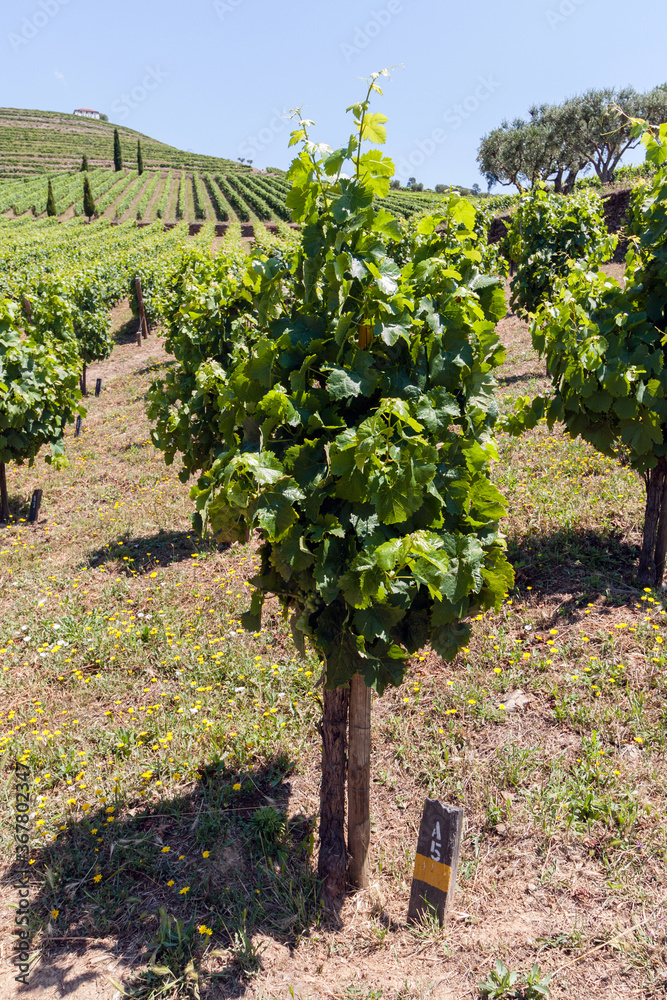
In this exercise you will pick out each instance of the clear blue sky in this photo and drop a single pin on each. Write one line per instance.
(214, 76)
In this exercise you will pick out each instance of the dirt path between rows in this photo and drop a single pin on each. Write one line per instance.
(127, 355)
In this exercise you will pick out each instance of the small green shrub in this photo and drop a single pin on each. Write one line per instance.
(502, 984)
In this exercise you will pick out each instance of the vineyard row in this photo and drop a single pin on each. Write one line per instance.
(171, 196)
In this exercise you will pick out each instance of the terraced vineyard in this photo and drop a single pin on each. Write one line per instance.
(175, 185)
(39, 142)
(175, 195)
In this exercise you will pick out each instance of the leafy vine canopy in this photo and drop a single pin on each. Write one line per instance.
(345, 410)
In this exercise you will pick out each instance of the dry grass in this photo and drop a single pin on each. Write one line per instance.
(131, 624)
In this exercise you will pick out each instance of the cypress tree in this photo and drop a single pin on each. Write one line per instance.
(140, 159)
(88, 200)
(84, 162)
(50, 201)
(117, 154)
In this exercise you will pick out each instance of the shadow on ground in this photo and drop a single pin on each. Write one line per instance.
(127, 333)
(158, 366)
(148, 876)
(138, 555)
(504, 380)
(19, 508)
(583, 564)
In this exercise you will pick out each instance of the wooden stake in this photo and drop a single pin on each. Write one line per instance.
(661, 539)
(84, 390)
(4, 498)
(655, 484)
(35, 504)
(359, 761)
(359, 782)
(142, 311)
(365, 335)
(332, 857)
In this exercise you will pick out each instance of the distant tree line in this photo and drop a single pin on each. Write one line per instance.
(559, 141)
(414, 185)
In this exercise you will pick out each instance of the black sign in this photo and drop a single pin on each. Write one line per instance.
(437, 861)
(35, 504)
(98, 387)
(77, 429)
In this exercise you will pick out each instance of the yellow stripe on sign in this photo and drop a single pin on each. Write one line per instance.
(432, 872)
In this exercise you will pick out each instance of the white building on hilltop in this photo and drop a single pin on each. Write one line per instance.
(86, 113)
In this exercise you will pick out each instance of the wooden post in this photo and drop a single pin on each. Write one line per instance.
(35, 504)
(365, 335)
(98, 386)
(655, 484)
(4, 498)
(28, 310)
(437, 860)
(142, 311)
(332, 858)
(359, 782)
(661, 539)
(84, 391)
(79, 424)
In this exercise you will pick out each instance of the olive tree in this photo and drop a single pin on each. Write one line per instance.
(592, 130)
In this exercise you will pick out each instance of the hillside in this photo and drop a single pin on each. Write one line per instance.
(42, 142)
(175, 185)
